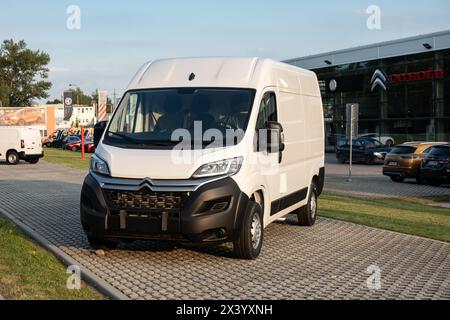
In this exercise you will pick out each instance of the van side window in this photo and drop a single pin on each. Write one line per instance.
(267, 110)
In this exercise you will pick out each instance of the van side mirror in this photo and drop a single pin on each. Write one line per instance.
(275, 137)
(99, 129)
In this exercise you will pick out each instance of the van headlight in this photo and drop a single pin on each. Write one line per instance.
(227, 167)
(99, 166)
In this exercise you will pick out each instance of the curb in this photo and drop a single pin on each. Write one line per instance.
(99, 284)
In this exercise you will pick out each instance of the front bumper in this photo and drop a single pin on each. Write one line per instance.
(189, 215)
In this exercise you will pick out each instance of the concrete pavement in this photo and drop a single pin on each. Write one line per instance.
(332, 260)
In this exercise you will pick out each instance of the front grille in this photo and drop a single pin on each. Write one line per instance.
(145, 200)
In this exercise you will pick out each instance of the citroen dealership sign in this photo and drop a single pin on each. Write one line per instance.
(380, 79)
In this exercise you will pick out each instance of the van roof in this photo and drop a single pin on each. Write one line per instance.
(223, 72)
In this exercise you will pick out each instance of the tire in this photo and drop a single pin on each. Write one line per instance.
(12, 157)
(435, 183)
(340, 159)
(21, 123)
(398, 179)
(33, 161)
(97, 244)
(307, 215)
(74, 149)
(420, 180)
(369, 161)
(248, 245)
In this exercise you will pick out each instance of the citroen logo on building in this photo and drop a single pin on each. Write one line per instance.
(379, 79)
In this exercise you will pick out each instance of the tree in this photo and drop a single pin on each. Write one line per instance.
(22, 74)
(56, 101)
(79, 97)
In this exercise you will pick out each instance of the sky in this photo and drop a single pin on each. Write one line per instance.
(116, 37)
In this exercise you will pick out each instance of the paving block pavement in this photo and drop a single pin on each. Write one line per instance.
(328, 261)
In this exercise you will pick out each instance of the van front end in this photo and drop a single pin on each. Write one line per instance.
(197, 211)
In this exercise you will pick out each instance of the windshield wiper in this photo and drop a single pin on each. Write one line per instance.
(158, 143)
(124, 137)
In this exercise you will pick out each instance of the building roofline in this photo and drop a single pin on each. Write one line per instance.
(395, 47)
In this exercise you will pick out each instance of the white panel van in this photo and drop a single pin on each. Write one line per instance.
(20, 143)
(207, 151)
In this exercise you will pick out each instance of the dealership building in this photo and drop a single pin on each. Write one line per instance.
(402, 87)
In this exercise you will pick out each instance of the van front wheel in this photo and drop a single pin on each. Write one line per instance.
(307, 215)
(249, 244)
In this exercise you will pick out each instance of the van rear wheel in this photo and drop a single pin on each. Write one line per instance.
(307, 215)
(12, 157)
(249, 244)
(33, 160)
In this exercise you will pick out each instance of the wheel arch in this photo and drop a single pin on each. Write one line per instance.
(11, 150)
(260, 197)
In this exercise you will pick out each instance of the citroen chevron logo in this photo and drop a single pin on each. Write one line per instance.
(379, 79)
(146, 183)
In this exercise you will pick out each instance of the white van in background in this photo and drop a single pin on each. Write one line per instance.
(20, 143)
(272, 165)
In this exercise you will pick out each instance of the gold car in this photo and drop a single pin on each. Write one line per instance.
(404, 161)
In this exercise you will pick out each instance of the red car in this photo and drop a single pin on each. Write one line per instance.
(76, 146)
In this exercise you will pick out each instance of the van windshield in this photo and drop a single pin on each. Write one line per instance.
(157, 118)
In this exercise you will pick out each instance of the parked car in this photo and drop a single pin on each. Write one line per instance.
(435, 168)
(20, 144)
(56, 142)
(69, 140)
(47, 142)
(23, 117)
(404, 161)
(55, 139)
(136, 190)
(385, 140)
(76, 146)
(365, 150)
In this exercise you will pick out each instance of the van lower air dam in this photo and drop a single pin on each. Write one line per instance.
(207, 151)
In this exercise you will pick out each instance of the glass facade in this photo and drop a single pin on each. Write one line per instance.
(408, 99)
